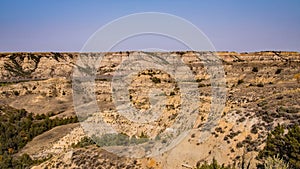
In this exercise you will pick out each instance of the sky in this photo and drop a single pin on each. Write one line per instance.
(231, 25)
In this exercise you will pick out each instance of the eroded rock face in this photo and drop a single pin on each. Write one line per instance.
(261, 92)
(23, 66)
(34, 66)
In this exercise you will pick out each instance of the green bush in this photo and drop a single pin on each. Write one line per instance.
(275, 162)
(155, 80)
(111, 140)
(283, 146)
(85, 141)
(213, 165)
(119, 139)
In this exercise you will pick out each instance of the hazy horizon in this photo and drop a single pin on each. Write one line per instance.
(147, 51)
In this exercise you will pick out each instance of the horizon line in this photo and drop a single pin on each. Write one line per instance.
(2, 52)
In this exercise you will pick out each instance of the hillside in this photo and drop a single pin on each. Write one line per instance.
(262, 91)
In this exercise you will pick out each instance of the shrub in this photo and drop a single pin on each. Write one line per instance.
(199, 80)
(201, 85)
(240, 81)
(260, 85)
(155, 80)
(118, 139)
(16, 93)
(275, 162)
(278, 71)
(213, 165)
(254, 69)
(85, 141)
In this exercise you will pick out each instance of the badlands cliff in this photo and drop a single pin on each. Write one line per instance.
(262, 90)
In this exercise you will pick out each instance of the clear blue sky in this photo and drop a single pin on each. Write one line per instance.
(65, 25)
